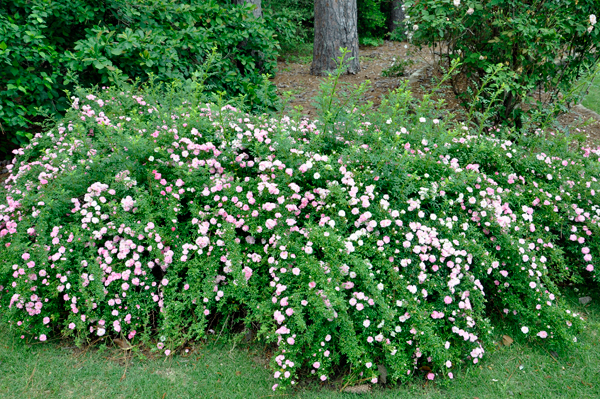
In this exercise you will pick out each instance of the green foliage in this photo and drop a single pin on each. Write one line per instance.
(398, 35)
(544, 46)
(370, 41)
(372, 18)
(108, 42)
(292, 20)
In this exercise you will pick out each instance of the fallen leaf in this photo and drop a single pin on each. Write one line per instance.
(358, 389)
(123, 344)
(507, 341)
(238, 373)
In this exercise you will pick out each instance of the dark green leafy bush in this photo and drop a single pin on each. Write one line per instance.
(101, 42)
(373, 16)
(291, 19)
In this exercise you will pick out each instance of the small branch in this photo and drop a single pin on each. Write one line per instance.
(549, 353)
(30, 377)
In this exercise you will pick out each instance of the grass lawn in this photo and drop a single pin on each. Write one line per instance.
(56, 370)
(592, 100)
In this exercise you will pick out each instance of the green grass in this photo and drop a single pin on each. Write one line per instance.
(592, 100)
(56, 370)
(52, 371)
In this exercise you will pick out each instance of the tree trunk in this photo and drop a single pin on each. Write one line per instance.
(257, 12)
(397, 17)
(335, 27)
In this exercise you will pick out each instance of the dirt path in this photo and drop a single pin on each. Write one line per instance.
(295, 77)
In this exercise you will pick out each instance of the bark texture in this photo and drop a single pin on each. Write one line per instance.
(335, 27)
(257, 11)
(397, 17)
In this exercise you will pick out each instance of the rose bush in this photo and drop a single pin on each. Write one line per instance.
(545, 46)
(392, 238)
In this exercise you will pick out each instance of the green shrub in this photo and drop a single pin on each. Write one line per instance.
(370, 41)
(292, 20)
(115, 40)
(543, 46)
(398, 68)
(372, 18)
(369, 238)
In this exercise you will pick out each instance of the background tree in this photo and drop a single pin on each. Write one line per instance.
(335, 27)
(397, 16)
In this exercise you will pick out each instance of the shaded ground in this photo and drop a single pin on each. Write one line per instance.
(294, 77)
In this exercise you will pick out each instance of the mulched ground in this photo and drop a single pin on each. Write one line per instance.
(295, 77)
